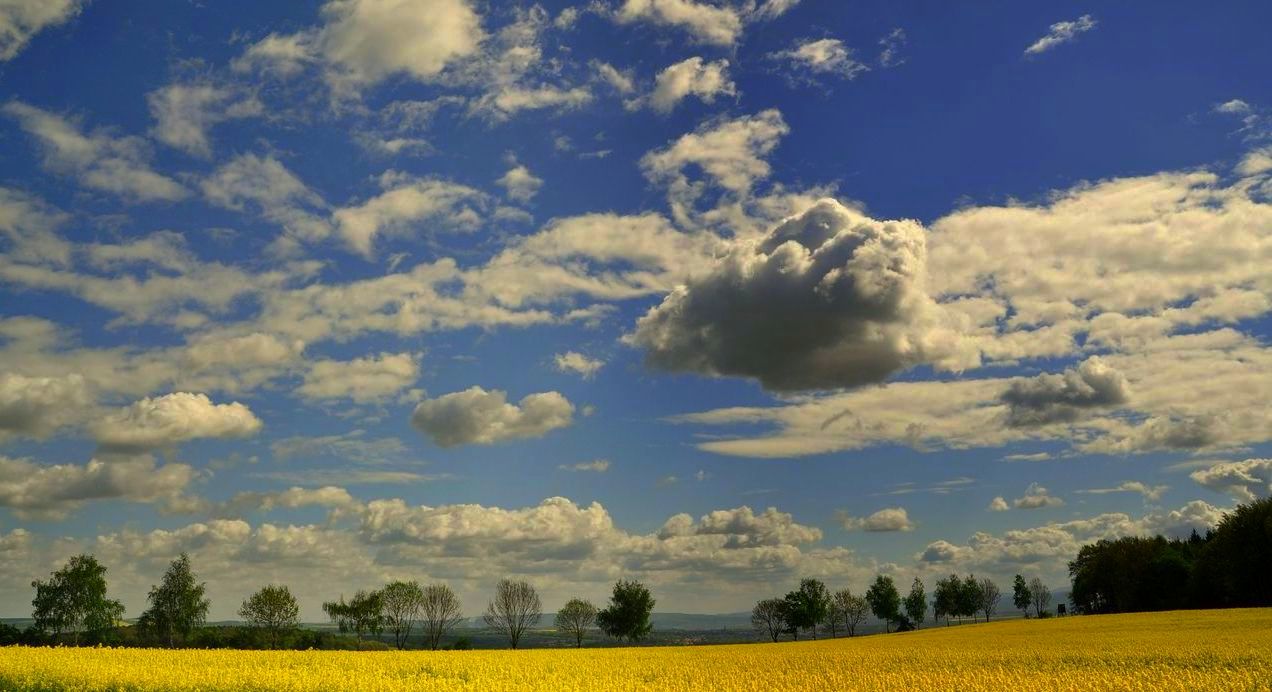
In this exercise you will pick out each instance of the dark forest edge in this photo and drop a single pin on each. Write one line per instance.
(1227, 567)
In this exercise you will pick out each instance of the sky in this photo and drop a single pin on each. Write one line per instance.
(716, 295)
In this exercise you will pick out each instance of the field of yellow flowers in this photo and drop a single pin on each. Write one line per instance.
(1201, 650)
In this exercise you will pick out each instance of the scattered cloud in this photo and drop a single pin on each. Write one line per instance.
(1036, 497)
(184, 113)
(20, 20)
(597, 466)
(826, 57)
(164, 421)
(690, 77)
(1246, 480)
(1151, 493)
(575, 362)
(998, 504)
(887, 519)
(363, 380)
(1063, 398)
(477, 416)
(519, 183)
(1060, 33)
(99, 160)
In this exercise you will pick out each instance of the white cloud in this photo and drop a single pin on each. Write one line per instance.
(366, 379)
(22, 19)
(827, 56)
(1244, 480)
(887, 519)
(891, 47)
(505, 102)
(37, 406)
(167, 420)
(575, 362)
(353, 446)
(742, 527)
(1233, 107)
(53, 491)
(184, 113)
(362, 42)
(597, 466)
(1061, 32)
(521, 185)
(691, 77)
(1036, 497)
(100, 161)
(477, 416)
(406, 202)
(1151, 493)
(998, 504)
(713, 24)
(31, 226)
(620, 80)
(847, 290)
(730, 152)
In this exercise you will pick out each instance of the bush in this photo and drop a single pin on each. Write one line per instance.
(461, 644)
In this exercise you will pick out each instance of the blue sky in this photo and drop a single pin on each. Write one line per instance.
(714, 294)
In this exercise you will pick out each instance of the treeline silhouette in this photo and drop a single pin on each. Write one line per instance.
(1231, 566)
(72, 608)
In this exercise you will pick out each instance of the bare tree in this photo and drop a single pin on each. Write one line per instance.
(440, 611)
(852, 608)
(1040, 594)
(575, 617)
(515, 609)
(989, 595)
(769, 616)
(401, 602)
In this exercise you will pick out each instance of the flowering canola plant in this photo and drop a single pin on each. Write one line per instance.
(1187, 650)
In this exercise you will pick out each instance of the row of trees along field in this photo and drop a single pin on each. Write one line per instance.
(813, 605)
(72, 607)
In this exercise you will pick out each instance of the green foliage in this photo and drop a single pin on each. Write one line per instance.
(916, 603)
(401, 604)
(807, 606)
(884, 600)
(177, 605)
(574, 618)
(74, 601)
(627, 616)
(363, 614)
(1020, 596)
(272, 610)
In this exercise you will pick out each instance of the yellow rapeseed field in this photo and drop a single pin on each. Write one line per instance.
(1206, 650)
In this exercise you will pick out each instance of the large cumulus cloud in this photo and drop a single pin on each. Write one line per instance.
(829, 298)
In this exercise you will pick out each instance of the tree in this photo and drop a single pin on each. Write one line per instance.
(575, 617)
(969, 597)
(628, 612)
(272, 609)
(74, 600)
(853, 608)
(1020, 596)
(1040, 595)
(402, 602)
(945, 598)
(439, 612)
(884, 600)
(362, 615)
(807, 605)
(177, 604)
(834, 616)
(916, 603)
(989, 596)
(1241, 550)
(515, 609)
(768, 617)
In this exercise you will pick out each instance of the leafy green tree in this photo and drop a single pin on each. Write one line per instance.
(916, 603)
(402, 602)
(1241, 550)
(627, 615)
(1020, 596)
(273, 609)
(440, 612)
(768, 617)
(807, 605)
(178, 604)
(574, 618)
(969, 597)
(944, 599)
(515, 609)
(363, 614)
(884, 600)
(74, 600)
